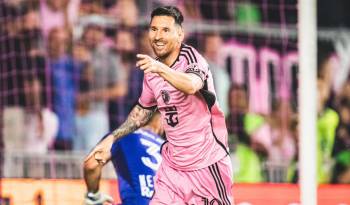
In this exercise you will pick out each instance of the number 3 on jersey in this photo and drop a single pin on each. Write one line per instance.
(153, 151)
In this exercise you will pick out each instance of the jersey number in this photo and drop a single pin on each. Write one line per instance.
(153, 151)
(171, 113)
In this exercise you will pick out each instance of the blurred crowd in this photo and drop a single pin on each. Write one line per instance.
(68, 77)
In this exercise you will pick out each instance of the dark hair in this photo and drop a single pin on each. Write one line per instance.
(324, 51)
(169, 11)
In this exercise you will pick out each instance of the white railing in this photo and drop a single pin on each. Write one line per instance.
(19, 164)
(55, 164)
(275, 172)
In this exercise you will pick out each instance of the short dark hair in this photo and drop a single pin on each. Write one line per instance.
(169, 11)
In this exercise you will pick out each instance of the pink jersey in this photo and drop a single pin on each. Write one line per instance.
(194, 124)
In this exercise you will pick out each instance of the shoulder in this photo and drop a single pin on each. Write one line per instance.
(191, 55)
(127, 139)
(332, 116)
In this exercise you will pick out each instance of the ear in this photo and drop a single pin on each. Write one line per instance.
(181, 34)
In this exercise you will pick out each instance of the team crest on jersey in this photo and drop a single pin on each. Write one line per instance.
(165, 96)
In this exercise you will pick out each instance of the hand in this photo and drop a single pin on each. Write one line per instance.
(98, 199)
(102, 151)
(148, 64)
(101, 156)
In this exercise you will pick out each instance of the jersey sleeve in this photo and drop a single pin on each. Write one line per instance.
(147, 99)
(199, 69)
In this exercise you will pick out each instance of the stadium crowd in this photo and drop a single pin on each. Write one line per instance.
(68, 77)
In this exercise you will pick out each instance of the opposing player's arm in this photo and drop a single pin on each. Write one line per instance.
(188, 83)
(137, 118)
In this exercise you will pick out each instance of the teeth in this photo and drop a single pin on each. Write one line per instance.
(160, 44)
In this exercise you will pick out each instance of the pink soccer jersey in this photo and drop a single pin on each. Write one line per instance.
(194, 124)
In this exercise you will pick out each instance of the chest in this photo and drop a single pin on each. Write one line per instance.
(166, 94)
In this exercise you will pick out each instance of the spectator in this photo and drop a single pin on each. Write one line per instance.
(240, 121)
(247, 162)
(327, 119)
(342, 141)
(326, 63)
(23, 59)
(327, 122)
(32, 50)
(191, 10)
(213, 43)
(10, 41)
(341, 153)
(345, 91)
(247, 14)
(62, 13)
(107, 81)
(342, 168)
(127, 12)
(41, 124)
(126, 47)
(240, 125)
(92, 7)
(36, 128)
(276, 136)
(143, 43)
(64, 85)
(292, 175)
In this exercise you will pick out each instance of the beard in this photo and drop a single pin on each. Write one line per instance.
(163, 53)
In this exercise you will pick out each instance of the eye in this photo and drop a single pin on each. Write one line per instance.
(153, 29)
(166, 29)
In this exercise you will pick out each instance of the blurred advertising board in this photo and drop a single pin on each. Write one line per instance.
(69, 192)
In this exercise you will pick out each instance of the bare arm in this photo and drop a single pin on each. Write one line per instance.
(186, 82)
(101, 154)
(92, 168)
(137, 118)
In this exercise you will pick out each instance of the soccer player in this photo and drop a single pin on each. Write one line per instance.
(136, 158)
(196, 168)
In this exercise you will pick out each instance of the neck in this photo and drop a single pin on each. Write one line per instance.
(210, 56)
(154, 127)
(149, 128)
(171, 58)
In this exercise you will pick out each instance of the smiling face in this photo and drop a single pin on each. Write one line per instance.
(165, 37)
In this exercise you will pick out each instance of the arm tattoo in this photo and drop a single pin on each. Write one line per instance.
(136, 119)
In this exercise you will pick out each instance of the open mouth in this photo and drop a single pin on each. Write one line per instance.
(159, 45)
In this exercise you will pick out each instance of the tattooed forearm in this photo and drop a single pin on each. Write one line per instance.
(136, 119)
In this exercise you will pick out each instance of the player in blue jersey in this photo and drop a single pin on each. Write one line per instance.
(136, 158)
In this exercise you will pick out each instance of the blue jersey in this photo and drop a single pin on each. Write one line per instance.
(136, 158)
